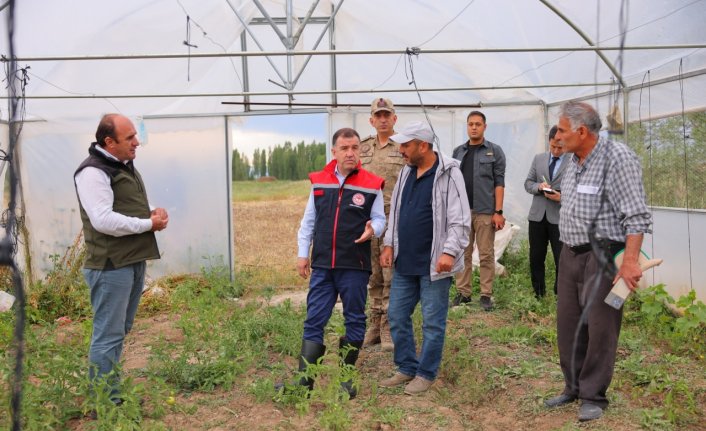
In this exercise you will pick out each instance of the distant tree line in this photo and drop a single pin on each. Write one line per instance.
(285, 162)
(673, 155)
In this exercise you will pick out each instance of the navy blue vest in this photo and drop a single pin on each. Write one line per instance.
(341, 215)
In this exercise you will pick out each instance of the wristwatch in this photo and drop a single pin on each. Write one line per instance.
(499, 212)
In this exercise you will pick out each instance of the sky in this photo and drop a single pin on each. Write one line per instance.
(265, 131)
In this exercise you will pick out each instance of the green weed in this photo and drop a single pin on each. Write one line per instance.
(683, 333)
(63, 292)
(388, 415)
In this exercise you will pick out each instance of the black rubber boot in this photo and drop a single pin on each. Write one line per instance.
(349, 351)
(310, 354)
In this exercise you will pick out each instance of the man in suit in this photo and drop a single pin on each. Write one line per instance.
(544, 183)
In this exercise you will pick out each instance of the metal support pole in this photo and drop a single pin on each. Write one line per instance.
(246, 76)
(290, 49)
(332, 48)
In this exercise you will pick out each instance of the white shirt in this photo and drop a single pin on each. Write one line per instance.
(306, 229)
(96, 196)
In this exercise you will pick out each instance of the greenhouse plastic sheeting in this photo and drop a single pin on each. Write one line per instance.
(185, 169)
(514, 87)
(134, 27)
(518, 130)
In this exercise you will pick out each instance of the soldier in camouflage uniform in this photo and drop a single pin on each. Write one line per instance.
(381, 156)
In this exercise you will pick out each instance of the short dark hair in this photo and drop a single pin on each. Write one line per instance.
(106, 129)
(552, 132)
(478, 113)
(345, 132)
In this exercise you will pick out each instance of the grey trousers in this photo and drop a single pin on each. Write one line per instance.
(586, 351)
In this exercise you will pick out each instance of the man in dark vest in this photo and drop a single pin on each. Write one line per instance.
(118, 229)
(345, 209)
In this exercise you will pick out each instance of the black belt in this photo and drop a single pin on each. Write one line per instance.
(613, 246)
(583, 248)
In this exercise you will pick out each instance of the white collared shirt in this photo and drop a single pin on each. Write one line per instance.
(96, 197)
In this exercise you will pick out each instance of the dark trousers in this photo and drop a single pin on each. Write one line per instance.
(324, 288)
(541, 233)
(586, 349)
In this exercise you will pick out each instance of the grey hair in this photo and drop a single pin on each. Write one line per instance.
(581, 114)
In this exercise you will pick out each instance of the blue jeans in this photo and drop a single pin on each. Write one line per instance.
(115, 295)
(405, 293)
(324, 288)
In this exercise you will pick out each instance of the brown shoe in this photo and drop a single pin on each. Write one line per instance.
(417, 386)
(372, 335)
(386, 344)
(396, 380)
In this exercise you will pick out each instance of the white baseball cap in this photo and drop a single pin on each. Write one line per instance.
(414, 130)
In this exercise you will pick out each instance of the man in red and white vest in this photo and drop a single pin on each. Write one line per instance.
(344, 211)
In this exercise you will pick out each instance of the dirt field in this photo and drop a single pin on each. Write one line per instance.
(499, 396)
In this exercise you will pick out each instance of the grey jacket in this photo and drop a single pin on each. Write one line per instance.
(540, 204)
(452, 215)
(488, 173)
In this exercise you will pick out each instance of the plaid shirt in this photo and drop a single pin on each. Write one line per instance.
(611, 169)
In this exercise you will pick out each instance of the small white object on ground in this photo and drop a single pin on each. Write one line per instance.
(6, 301)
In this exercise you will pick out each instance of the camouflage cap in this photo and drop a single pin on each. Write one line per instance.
(380, 104)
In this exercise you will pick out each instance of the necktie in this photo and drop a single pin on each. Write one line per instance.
(551, 167)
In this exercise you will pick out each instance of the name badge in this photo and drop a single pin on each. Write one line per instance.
(590, 190)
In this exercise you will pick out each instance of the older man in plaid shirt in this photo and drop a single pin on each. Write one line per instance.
(602, 187)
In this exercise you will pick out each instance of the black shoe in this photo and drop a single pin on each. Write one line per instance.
(486, 303)
(589, 412)
(460, 299)
(559, 400)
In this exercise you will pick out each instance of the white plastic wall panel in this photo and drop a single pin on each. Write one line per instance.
(184, 165)
(683, 266)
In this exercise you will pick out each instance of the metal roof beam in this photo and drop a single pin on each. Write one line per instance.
(314, 92)
(588, 40)
(634, 87)
(298, 34)
(355, 52)
(247, 28)
(263, 11)
(321, 36)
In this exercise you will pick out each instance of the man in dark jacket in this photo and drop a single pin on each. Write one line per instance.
(483, 168)
(429, 225)
(345, 209)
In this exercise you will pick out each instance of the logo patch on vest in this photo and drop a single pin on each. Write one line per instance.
(358, 199)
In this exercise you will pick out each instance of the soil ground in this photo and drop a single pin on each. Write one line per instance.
(513, 404)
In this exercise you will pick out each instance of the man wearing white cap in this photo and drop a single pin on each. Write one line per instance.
(428, 231)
